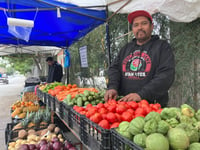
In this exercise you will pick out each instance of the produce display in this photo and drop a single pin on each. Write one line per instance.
(174, 128)
(49, 138)
(84, 97)
(146, 126)
(35, 119)
(111, 113)
(20, 108)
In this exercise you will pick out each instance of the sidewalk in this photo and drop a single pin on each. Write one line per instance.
(9, 93)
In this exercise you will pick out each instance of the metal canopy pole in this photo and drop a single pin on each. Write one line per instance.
(108, 38)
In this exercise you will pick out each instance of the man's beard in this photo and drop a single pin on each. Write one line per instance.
(143, 38)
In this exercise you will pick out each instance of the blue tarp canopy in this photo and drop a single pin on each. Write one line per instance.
(50, 29)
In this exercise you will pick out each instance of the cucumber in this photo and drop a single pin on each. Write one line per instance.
(79, 101)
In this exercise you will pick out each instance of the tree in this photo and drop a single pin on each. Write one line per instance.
(21, 62)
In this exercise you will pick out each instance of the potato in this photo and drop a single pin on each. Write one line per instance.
(12, 144)
(44, 132)
(31, 131)
(51, 127)
(61, 140)
(59, 136)
(56, 130)
(22, 134)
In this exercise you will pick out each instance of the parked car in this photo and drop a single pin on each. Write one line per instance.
(4, 78)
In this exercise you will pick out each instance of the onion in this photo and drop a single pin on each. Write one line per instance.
(54, 139)
(72, 148)
(67, 145)
(24, 147)
(32, 146)
(43, 142)
(57, 145)
(45, 147)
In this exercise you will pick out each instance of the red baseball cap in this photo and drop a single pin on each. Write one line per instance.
(138, 13)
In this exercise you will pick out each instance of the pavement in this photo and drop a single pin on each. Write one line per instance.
(9, 93)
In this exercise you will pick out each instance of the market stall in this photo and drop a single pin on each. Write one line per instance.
(120, 125)
(95, 123)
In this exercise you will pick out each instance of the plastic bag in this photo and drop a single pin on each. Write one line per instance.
(20, 32)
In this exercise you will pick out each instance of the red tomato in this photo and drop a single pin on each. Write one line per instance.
(127, 116)
(131, 111)
(143, 101)
(106, 105)
(139, 115)
(88, 105)
(91, 112)
(75, 107)
(112, 102)
(104, 116)
(100, 105)
(140, 110)
(104, 124)
(111, 108)
(119, 117)
(147, 109)
(111, 117)
(133, 104)
(114, 125)
(156, 106)
(96, 118)
(159, 110)
(79, 109)
(83, 112)
(122, 102)
(102, 110)
(121, 108)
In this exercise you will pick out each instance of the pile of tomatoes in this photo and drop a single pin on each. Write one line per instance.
(110, 114)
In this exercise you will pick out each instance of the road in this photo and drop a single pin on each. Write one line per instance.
(9, 93)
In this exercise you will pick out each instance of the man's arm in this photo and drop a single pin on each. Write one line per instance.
(163, 78)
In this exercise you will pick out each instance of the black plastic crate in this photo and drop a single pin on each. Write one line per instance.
(48, 100)
(76, 123)
(121, 143)
(8, 129)
(53, 105)
(39, 93)
(98, 138)
(58, 107)
(16, 120)
(65, 112)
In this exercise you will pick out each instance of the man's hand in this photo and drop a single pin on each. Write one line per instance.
(131, 97)
(110, 94)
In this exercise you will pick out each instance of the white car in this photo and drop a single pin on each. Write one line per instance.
(4, 78)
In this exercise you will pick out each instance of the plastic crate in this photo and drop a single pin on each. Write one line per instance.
(65, 112)
(48, 100)
(16, 120)
(121, 143)
(8, 129)
(76, 123)
(39, 93)
(58, 107)
(98, 138)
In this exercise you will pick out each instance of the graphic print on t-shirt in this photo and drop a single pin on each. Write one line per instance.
(137, 65)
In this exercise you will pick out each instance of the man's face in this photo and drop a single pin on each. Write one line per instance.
(142, 29)
(50, 63)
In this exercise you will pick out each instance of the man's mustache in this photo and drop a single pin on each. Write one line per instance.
(141, 31)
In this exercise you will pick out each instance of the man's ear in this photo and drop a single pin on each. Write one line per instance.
(152, 26)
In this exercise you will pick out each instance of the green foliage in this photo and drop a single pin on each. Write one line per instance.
(21, 62)
(185, 39)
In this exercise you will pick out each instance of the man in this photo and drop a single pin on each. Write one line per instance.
(55, 72)
(145, 67)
